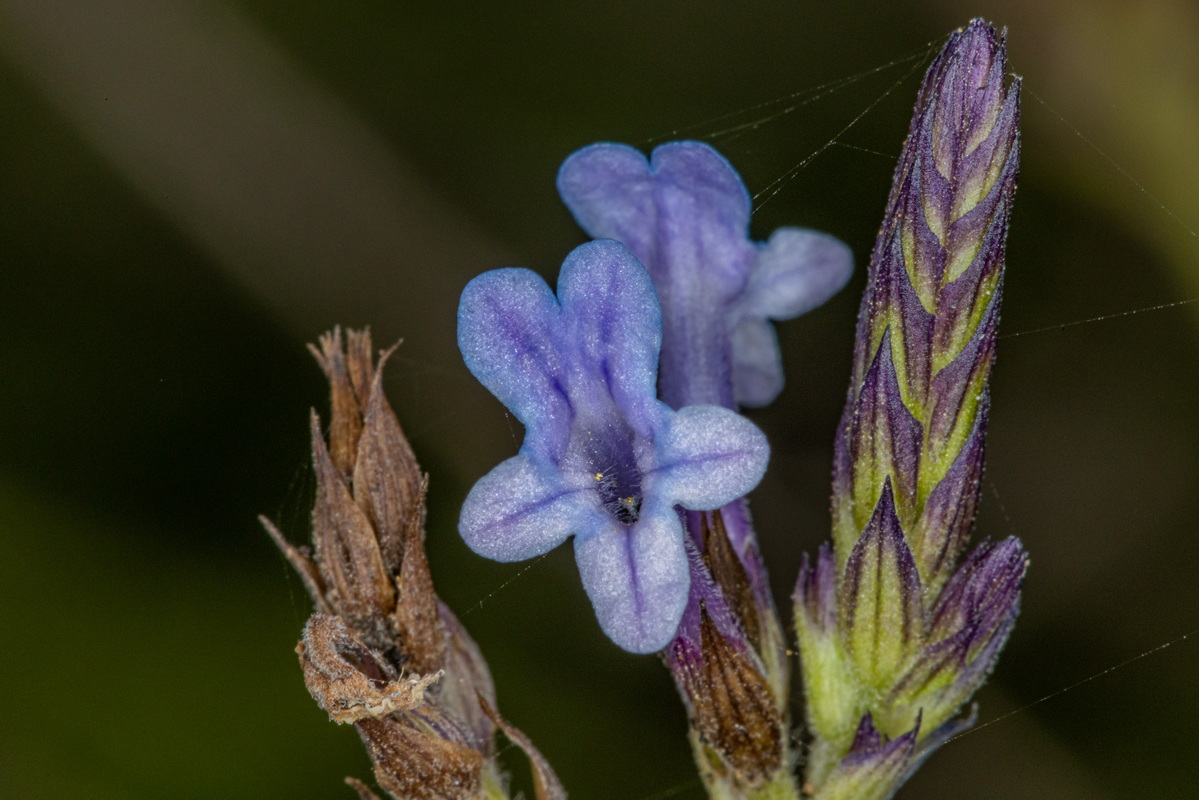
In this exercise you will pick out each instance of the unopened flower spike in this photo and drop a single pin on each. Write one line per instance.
(896, 630)
(603, 459)
(685, 213)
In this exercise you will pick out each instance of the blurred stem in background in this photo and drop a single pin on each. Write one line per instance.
(264, 168)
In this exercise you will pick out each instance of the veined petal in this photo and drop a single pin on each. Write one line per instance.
(757, 363)
(611, 316)
(685, 200)
(609, 190)
(703, 225)
(796, 271)
(521, 509)
(709, 456)
(506, 331)
(637, 578)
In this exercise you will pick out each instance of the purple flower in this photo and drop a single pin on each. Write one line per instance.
(603, 460)
(685, 213)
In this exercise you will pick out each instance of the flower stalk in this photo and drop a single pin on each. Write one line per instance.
(896, 630)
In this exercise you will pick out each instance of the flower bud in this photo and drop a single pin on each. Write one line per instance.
(831, 690)
(969, 626)
(732, 709)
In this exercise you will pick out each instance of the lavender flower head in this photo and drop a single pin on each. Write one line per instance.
(627, 381)
(895, 634)
(603, 459)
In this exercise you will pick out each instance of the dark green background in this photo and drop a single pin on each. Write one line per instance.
(154, 383)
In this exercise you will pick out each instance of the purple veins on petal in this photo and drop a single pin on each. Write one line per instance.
(637, 579)
(705, 455)
(603, 460)
(520, 510)
(685, 213)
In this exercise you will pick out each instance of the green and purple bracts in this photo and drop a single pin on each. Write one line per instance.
(896, 633)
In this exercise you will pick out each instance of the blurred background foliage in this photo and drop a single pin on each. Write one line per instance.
(190, 191)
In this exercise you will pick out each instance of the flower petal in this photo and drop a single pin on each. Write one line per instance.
(611, 317)
(685, 214)
(796, 271)
(684, 210)
(637, 578)
(507, 331)
(709, 456)
(609, 190)
(757, 363)
(520, 510)
(703, 219)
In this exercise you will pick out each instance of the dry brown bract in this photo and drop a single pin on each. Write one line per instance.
(381, 651)
(348, 679)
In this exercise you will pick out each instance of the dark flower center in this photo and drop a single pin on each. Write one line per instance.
(609, 455)
(622, 498)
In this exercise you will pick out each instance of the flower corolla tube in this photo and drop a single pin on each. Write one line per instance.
(603, 460)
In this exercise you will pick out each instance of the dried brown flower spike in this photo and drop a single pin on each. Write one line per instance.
(381, 651)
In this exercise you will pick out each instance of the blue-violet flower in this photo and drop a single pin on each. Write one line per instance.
(684, 212)
(603, 459)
